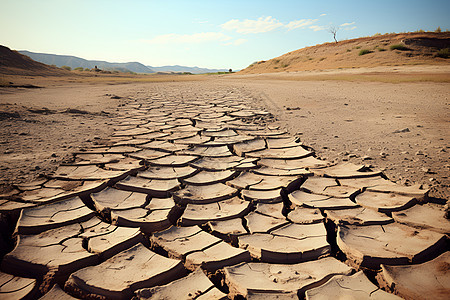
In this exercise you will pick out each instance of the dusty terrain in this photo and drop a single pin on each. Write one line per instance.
(399, 127)
(203, 192)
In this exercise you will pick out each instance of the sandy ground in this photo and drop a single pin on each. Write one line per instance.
(401, 128)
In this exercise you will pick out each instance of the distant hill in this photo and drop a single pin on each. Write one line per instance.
(75, 62)
(193, 70)
(14, 63)
(378, 50)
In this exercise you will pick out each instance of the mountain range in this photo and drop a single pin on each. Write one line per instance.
(137, 67)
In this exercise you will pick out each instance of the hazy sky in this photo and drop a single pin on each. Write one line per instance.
(204, 33)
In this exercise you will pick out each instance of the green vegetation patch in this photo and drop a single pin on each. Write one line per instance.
(364, 52)
(400, 47)
(444, 53)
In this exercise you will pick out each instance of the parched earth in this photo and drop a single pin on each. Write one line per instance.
(197, 194)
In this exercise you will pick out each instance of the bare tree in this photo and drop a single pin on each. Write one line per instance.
(333, 30)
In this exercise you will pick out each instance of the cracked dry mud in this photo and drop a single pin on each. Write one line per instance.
(197, 195)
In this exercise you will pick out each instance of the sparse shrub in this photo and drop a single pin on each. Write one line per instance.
(276, 61)
(358, 47)
(377, 34)
(78, 69)
(400, 47)
(349, 50)
(322, 58)
(381, 49)
(438, 30)
(365, 51)
(275, 67)
(66, 68)
(285, 65)
(87, 69)
(444, 53)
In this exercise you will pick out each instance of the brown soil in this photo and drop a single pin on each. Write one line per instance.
(422, 48)
(399, 127)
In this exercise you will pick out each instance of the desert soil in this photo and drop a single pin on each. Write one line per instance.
(401, 128)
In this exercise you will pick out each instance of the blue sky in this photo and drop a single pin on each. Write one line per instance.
(206, 33)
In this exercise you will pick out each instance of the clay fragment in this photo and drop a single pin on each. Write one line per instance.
(56, 190)
(227, 230)
(430, 280)
(149, 154)
(156, 216)
(254, 145)
(429, 216)
(132, 132)
(379, 184)
(181, 241)
(126, 164)
(317, 185)
(94, 159)
(291, 243)
(57, 293)
(10, 206)
(219, 211)
(281, 172)
(216, 257)
(13, 287)
(229, 140)
(358, 216)
(391, 244)
(283, 153)
(173, 161)
(224, 163)
(204, 194)
(221, 151)
(35, 255)
(271, 209)
(112, 279)
(385, 202)
(356, 286)
(208, 177)
(272, 296)
(246, 278)
(110, 150)
(38, 219)
(153, 187)
(166, 173)
(268, 133)
(304, 215)
(118, 199)
(299, 163)
(270, 196)
(221, 133)
(192, 141)
(163, 146)
(177, 136)
(301, 198)
(192, 286)
(87, 173)
(259, 223)
(280, 143)
(253, 181)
